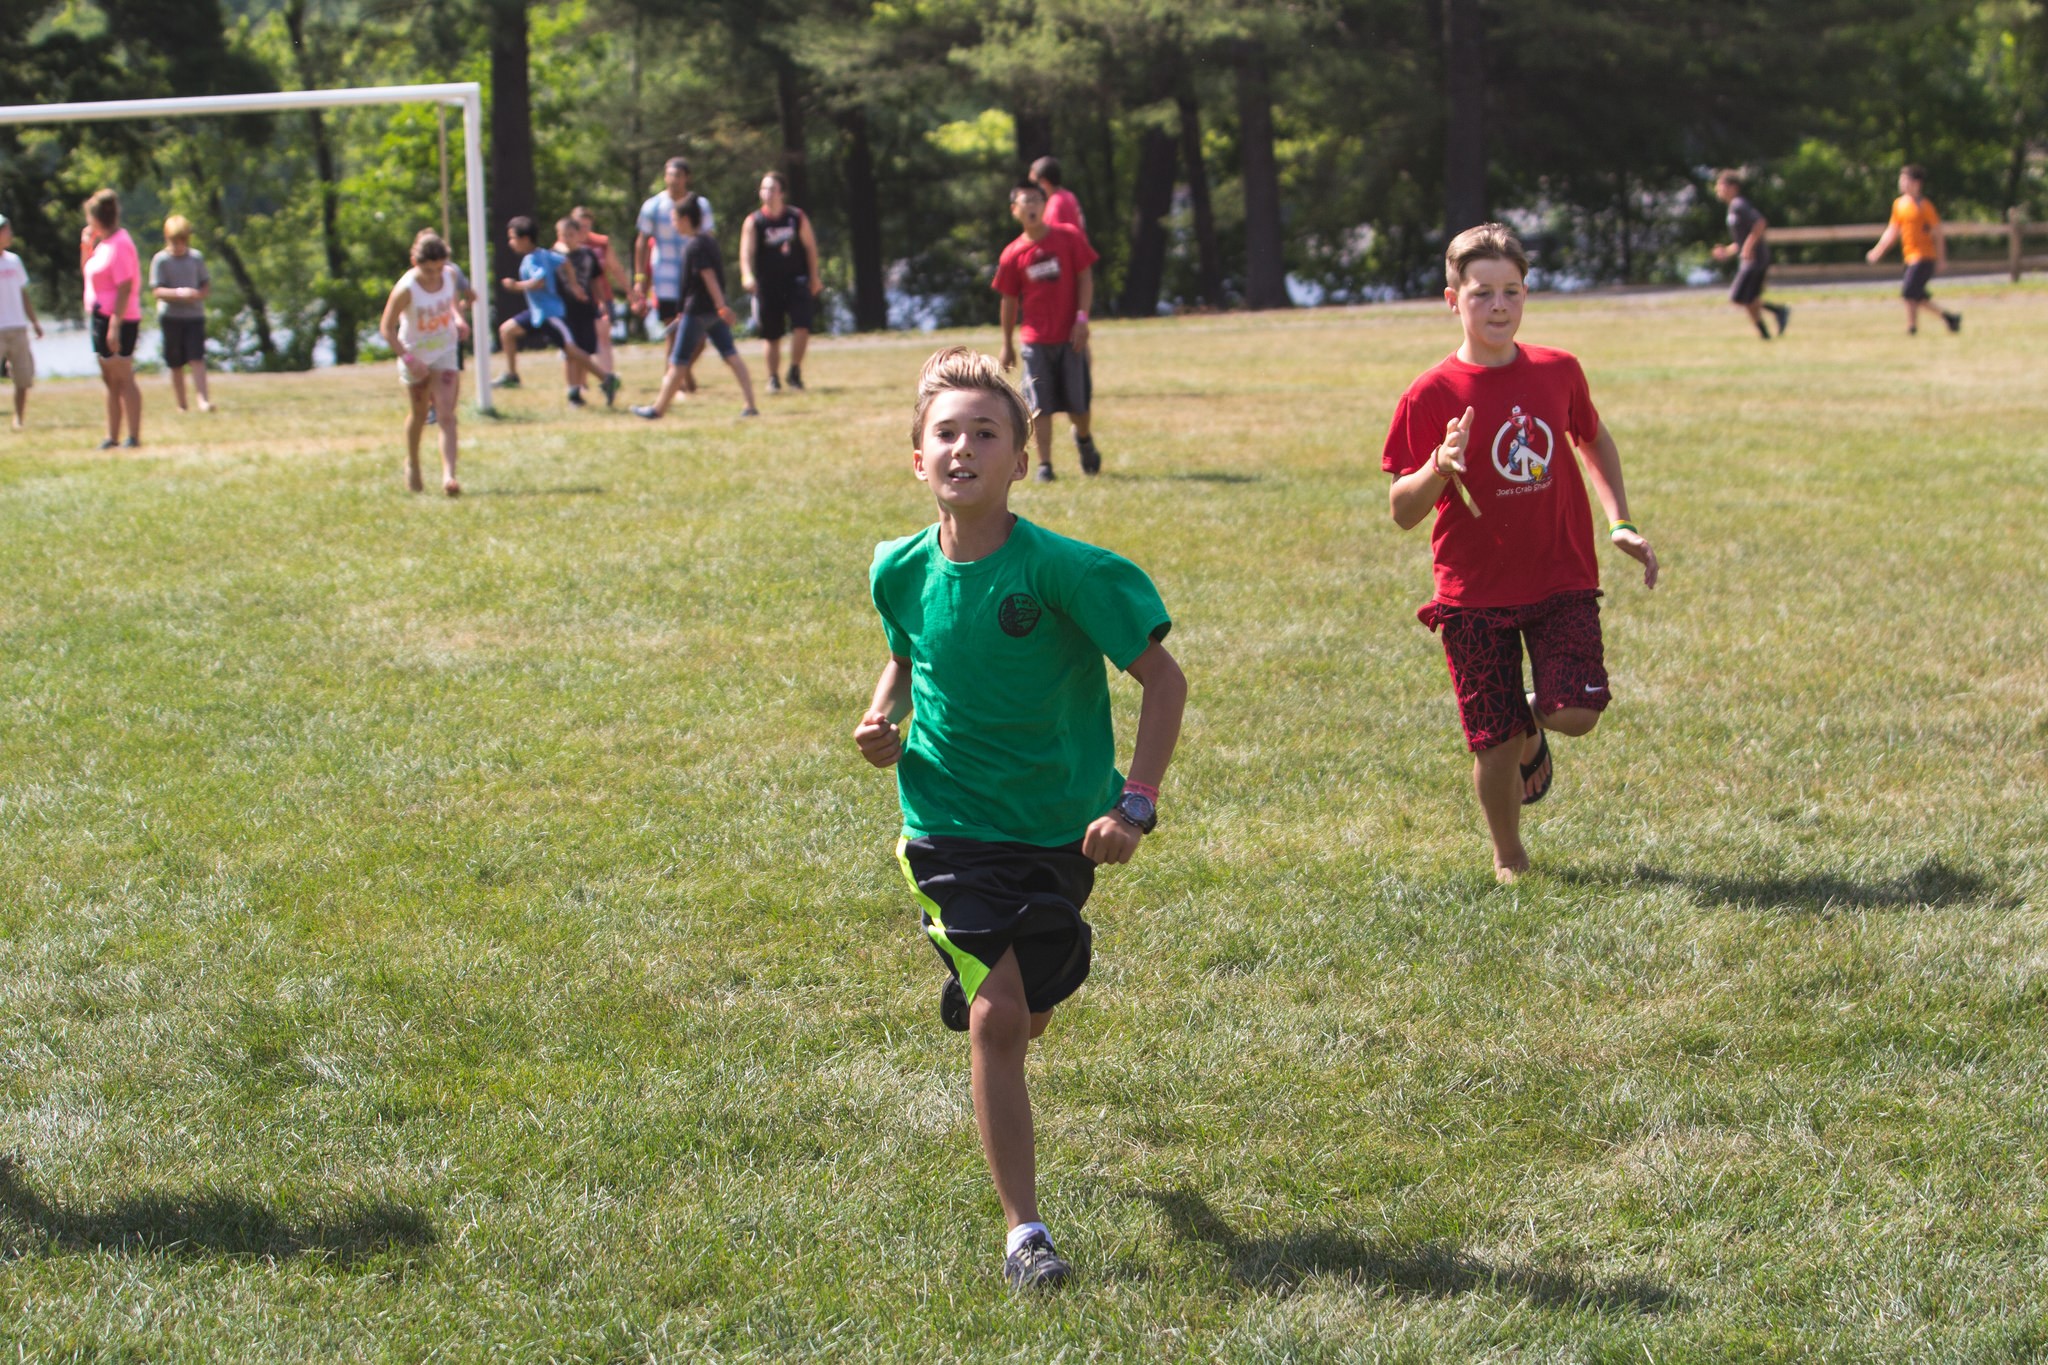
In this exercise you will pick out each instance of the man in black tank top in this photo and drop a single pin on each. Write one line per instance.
(779, 267)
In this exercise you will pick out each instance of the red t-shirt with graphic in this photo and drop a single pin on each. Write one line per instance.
(1045, 277)
(1534, 538)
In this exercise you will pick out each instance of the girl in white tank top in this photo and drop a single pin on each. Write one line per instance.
(423, 323)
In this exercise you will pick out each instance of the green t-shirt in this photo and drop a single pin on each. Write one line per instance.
(1010, 735)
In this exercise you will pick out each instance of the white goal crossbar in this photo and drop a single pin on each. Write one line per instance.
(467, 94)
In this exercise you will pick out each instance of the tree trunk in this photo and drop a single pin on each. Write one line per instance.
(864, 225)
(252, 297)
(1152, 198)
(636, 188)
(1034, 138)
(1208, 256)
(340, 304)
(512, 179)
(796, 166)
(1464, 116)
(1265, 275)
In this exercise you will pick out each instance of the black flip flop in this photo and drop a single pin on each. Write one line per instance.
(1529, 769)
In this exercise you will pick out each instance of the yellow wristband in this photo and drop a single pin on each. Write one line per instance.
(1614, 526)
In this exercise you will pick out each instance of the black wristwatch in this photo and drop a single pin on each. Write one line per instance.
(1136, 808)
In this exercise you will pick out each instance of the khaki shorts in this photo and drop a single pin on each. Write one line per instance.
(21, 361)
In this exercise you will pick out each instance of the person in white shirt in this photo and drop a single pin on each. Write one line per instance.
(658, 249)
(17, 318)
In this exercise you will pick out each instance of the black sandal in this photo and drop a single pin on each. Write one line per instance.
(1530, 770)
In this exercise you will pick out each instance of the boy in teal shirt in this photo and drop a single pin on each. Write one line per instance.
(997, 631)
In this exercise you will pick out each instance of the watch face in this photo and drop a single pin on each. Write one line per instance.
(1138, 807)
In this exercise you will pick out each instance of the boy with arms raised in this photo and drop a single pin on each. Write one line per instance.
(997, 631)
(1495, 417)
(1047, 279)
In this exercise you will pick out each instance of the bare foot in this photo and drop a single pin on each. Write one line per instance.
(1507, 874)
(451, 488)
(206, 405)
(413, 482)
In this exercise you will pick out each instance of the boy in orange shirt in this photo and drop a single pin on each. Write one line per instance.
(1917, 228)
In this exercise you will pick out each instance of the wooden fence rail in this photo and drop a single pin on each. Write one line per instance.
(2015, 230)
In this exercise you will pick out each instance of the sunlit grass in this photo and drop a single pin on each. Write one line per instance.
(465, 931)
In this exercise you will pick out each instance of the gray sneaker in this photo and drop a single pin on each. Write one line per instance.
(1035, 1265)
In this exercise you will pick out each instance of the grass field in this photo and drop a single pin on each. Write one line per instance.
(464, 931)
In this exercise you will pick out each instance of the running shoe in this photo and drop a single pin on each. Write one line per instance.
(750, 412)
(953, 1005)
(774, 384)
(1045, 474)
(796, 377)
(645, 410)
(576, 399)
(1091, 458)
(611, 389)
(1035, 1265)
(1784, 315)
(1954, 321)
(505, 381)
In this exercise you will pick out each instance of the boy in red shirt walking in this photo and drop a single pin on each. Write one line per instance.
(1521, 570)
(1048, 276)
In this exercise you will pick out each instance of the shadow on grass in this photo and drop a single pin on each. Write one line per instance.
(210, 1223)
(1428, 1271)
(569, 491)
(1193, 476)
(1932, 885)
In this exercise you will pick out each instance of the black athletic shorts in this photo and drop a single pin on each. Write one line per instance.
(582, 326)
(781, 309)
(184, 341)
(667, 309)
(1917, 275)
(982, 899)
(105, 337)
(1749, 282)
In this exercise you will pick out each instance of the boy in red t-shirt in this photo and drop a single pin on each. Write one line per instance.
(1523, 573)
(1048, 276)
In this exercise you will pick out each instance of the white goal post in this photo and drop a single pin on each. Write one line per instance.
(467, 94)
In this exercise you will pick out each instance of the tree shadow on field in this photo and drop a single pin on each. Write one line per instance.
(571, 491)
(1933, 885)
(1431, 1270)
(209, 1223)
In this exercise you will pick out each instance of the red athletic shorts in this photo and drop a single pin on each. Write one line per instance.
(1484, 648)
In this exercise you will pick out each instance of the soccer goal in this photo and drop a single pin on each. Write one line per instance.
(467, 94)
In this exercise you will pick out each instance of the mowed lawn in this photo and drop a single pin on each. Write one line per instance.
(464, 931)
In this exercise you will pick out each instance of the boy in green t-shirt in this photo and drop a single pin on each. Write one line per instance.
(1011, 798)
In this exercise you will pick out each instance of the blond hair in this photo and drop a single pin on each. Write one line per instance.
(1487, 242)
(178, 228)
(962, 368)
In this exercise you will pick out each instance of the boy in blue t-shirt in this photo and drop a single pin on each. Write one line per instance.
(997, 633)
(540, 279)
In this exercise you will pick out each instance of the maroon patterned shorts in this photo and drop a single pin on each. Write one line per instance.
(1484, 648)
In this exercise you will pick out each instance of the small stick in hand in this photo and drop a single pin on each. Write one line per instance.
(1457, 434)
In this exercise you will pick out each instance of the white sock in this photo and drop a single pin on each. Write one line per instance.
(1021, 1234)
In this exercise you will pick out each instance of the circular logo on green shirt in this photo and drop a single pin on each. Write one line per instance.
(1019, 614)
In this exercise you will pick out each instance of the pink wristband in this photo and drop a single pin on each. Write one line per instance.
(1150, 793)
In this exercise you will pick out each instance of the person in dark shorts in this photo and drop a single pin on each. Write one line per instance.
(1525, 576)
(179, 279)
(113, 301)
(1751, 250)
(779, 267)
(581, 272)
(1047, 280)
(1916, 227)
(997, 630)
(705, 317)
(542, 280)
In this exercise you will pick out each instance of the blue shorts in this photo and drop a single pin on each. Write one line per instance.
(699, 327)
